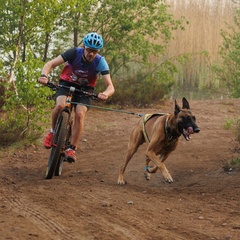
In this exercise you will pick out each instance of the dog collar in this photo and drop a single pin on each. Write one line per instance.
(168, 133)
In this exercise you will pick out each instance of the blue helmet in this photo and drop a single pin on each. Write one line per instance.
(93, 40)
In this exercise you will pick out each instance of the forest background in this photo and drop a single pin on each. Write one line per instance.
(155, 50)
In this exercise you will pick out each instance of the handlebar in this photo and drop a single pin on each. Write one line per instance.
(71, 89)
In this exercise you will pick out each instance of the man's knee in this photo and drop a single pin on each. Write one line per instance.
(59, 106)
(80, 115)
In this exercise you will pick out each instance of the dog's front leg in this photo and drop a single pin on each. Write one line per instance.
(159, 165)
(147, 173)
(149, 169)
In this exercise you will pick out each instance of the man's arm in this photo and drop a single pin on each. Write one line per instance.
(109, 91)
(48, 67)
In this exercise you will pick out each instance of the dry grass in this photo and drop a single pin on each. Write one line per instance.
(206, 19)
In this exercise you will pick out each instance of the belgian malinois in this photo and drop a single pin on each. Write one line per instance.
(162, 132)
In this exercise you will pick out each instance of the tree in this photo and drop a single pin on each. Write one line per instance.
(22, 27)
(136, 34)
(228, 71)
(133, 30)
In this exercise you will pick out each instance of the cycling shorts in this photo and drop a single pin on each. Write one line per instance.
(76, 97)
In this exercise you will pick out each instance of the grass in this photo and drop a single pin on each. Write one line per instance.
(232, 165)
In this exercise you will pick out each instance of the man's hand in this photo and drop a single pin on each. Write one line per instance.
(43, 79)
(102, 96)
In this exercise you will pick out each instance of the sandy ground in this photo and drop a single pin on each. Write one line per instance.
(86, 203)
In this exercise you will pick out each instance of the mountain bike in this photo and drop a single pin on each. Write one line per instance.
(62, 130)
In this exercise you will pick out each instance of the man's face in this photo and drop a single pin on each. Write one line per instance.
(90, 54)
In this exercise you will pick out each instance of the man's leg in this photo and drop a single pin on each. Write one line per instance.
(77, 130)
(59, 105)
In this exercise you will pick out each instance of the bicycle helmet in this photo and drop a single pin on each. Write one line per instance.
(93, 40)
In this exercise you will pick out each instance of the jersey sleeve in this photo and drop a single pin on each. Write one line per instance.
(69, 55)
(103, 67)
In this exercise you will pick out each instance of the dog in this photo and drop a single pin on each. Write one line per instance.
(162, 133)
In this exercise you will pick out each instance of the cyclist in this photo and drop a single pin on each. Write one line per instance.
(81, 70)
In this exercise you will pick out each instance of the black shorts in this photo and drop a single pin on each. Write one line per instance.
(76, 97)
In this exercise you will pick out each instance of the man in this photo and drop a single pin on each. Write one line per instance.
(81, 71)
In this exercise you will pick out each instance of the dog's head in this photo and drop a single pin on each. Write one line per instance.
(186, 121)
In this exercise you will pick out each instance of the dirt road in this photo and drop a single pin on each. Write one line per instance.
(85, 203)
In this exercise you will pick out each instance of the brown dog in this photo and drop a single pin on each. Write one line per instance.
(162, 132)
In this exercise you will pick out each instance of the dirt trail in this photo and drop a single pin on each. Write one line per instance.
(85, 203)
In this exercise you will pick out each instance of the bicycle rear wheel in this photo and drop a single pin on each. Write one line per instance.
(61, 132)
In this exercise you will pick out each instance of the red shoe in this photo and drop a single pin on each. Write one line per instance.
(48, 140)
(70, 155)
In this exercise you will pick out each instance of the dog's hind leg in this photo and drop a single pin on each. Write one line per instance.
(136, 139)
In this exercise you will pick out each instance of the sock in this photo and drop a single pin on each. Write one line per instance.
(72, 147)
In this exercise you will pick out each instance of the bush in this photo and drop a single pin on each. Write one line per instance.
(149, 85)
(24, 106)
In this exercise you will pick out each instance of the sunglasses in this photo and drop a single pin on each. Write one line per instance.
(89, 50)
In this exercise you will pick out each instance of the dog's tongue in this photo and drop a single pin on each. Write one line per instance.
(190, 130)
(187, 132)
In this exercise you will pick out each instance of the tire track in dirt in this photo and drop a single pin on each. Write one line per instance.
(126, 225)
(39, 218)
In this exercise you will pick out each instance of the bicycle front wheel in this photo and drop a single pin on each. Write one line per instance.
(61, 131)
(62, 157)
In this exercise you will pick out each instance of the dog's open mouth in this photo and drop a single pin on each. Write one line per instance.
(187, 132)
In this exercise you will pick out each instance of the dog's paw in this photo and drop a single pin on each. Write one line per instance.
(147, 175)
(121, 181)
(168, 178)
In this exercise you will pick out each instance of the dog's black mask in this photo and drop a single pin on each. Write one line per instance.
(186, 121)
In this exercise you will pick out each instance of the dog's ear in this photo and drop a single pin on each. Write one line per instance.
(185, 103)
(177, 108)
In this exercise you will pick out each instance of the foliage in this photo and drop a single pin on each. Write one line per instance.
(228, 123)
(234, 163)
(136, 35)
(23, 113)
(144, 87)
(133, 30)
(32, 32)
(228, 71)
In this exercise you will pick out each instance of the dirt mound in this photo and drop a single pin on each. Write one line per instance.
(86, 202)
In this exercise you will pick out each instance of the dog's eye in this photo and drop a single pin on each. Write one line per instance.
(194, 118)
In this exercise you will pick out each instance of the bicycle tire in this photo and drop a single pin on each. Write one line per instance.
(61, 131)
(62, 157)
(59, 167)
